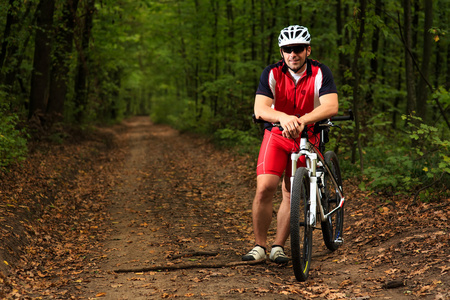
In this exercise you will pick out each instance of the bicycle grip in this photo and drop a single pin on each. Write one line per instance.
(349, 117)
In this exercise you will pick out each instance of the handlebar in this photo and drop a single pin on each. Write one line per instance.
(344, 118)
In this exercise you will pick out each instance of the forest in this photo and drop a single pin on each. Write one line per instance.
(195, 65)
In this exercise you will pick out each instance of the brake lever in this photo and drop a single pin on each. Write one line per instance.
(330, 124)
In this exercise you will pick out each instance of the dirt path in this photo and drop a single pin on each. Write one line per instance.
(178, 195)
(172, 195)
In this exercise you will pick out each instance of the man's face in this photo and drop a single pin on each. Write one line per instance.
(295, 56)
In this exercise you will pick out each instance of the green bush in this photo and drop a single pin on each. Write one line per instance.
(411, 160)
(13, 141)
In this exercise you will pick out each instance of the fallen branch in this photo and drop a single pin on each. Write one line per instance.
(196, 253)
(191, 266)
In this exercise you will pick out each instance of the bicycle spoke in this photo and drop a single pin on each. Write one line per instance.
(332, 227)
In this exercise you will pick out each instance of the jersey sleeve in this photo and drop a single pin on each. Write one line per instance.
(328, 85)
(264, 83)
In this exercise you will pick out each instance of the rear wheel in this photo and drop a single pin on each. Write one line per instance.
(301, 232)
(332, 227)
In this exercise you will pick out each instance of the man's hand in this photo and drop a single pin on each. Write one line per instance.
(292, 127)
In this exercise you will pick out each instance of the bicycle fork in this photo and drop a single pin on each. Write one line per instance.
(314, 194)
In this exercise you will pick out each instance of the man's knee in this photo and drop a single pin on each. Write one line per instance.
(267, 185)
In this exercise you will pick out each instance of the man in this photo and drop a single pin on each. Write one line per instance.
(295, 92)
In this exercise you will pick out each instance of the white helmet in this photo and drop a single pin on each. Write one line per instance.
(294, 35)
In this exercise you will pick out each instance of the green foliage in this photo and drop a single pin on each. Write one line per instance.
(13, 141)
(394, 172)
(443, 96)
(430, 149)
(409, 160)
(237, 139)
(171, 110)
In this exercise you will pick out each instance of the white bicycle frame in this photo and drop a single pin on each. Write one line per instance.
(315, 192)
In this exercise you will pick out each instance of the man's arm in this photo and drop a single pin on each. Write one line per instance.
(292, 125)
(263, 110)
(328, 107)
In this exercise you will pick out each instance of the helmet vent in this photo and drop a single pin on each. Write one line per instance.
(294, 34)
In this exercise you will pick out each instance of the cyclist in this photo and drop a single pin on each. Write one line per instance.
(295, 92)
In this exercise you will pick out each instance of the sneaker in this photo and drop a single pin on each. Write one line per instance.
(255, 254)
(277, 255)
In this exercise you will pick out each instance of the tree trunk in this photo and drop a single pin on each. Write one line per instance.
(215, 97)
(199, 99)
(422, 88)
(409, 67)
(437, 64)
(375, 42)
(447, 74)
(11, 67)
(342, 34)
(356, 80)
(82, 65)
(7, 52)
(11, 19)
(59, 75)
(374, 61)
(339, 27)
(262, 21)
(273, 36)
(252, 41)
(42, 58)
(415, 9)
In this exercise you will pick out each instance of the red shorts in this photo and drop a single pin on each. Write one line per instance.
(275, 153)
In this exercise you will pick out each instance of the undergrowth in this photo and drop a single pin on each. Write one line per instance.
(13, 141)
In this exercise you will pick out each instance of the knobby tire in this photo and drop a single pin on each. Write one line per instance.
(301, 232)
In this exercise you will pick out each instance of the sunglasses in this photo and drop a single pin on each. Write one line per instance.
(297, 49)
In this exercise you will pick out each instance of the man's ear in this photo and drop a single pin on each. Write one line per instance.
(281, 53)
(308, 51)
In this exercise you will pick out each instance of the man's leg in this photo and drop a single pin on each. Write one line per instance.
(262, 206)
(283, 226)
(284, 215)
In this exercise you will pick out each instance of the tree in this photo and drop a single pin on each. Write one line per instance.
(409, 64)
(81, 92)
(356, 81)
(61, 61)
(422, 88)
(42, 58)
(11, 19)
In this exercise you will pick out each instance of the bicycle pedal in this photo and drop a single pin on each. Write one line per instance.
(339, 241)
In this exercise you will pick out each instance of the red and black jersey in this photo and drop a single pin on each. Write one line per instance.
(299, 98)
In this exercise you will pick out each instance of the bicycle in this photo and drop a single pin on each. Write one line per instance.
(315, 189)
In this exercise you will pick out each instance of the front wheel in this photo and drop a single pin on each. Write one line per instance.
(301, 232)
(332, 227)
